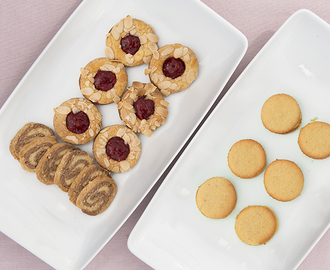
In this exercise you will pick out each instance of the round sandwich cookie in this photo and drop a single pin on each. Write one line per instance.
(255, 225)
(281, 114)
(173, 69)
(77, 121)
(131, 41)
(283, 180)
(117, 148)
(216, 198)
(314, 140)
(247, 158)
(103, 81)
(143, 108)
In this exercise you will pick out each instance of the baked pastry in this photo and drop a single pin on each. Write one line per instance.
(131, 41)
(103, 81)
(281, 114)
(72, 163)
(47, 165)
(27, 134)
(314, 140)
(77, 121)
(247, 158)
(88, 174)
(173, 69)
(96, 197)
(117, 148)
(143, 108)
(216, 198)
(283, 180)
(256, 225)
(30, 154)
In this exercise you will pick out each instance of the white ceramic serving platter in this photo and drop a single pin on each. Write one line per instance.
(173, 234)
(41, 218)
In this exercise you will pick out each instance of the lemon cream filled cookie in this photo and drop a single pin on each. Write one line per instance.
(77, 121)
(256, 224)
(216, 198)
(173, 69)
(131, 41)
(247, 158)
(281, 114)
(143, 108)
(103, 81)
(117, 148)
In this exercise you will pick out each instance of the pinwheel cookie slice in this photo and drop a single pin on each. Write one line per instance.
(173, 69)
(131, 41)
(103, 81)
(143, 108)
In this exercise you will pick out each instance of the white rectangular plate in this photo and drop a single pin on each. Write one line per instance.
(173, 234)
(41, 218)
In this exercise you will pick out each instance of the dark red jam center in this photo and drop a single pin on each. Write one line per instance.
(130, 44)
(173, 67)
(117, 149)
(104, 80)
(77, 123)
(144, 107)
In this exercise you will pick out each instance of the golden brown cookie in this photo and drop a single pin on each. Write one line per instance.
(283, 180)
(47, 165)
(256, 225)
(77, 121)
(117, 148)
(30, 154)
(72, 163)
(88, 174)
(281, 114)
(216, 198)
(173, 69)
(247, 158)
(96, 197)
(143, 108)
(103, 81)
(314, 140)
(27, 134)
(131, 41)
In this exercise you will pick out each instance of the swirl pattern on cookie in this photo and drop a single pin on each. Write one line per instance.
(96, 197)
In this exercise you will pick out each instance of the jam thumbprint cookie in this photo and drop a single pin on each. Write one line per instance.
(117, 148)
(173, 69)
(132, 42)
(143, 108)
(103, 81)
(77, 121)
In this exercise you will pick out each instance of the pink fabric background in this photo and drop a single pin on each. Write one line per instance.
(26, 27)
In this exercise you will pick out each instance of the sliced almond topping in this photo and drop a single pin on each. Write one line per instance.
(116, 70)
(127, 105)
(109, 52)
(120, 27)
(173, 86)
(152, 37)
(116, 99)
(155, 55)
(148, 87)
(132, 118)
(72, 138)
(125, 165)
(164, 85)
(161, 111)
(167, 51)
(123, 114)
(147, 59)
(153, 69)
(135, 128)
(165, 92)
(63, 109)
(143, 39)
(132, 32)
(87, 83)
(84, 72)
(120, 105)
(91, 116)
(135, 149)
(128, 21)
(164, 102)
(139, 55)
(147, 71)
(141, 92)
(91, 132)
(184, 50)
(186, 58)
(106, 162)
(154, 77)
(116, 169)
(126, 138)
(121, 132)
(135, 142)
(147, 132)
(152, 46)
(75, 110)
(129, 58)
(108, 67)
(178, 52)
(161, 77)
(190, 76)
(137, 84)
(95, 97)
(115, 33)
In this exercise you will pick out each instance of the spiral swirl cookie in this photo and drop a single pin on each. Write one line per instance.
(77, 121)
(27, 134)
(173, 69)
(96, 197)
(143, 108)
(30, 154)
(103, 81)
(49, 162)
(87, 175)
(117, 148)
(70, 166)
(131, 41)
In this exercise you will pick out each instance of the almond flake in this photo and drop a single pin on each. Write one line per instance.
(109, 52)
(121, 132)
(143, 39)
(120, 27)
(116, 99)
(116, 70)
(72, 138)
(135, 142)
(152, 37)
(156, 55)
(164, 84)
(125, 165)
(95, 97)
(63, 110)
(167, 51)
(87, 83)
(186, 58)
(91, 116)
(132, 118)
(108, 67)
(154, 77)
(75, 110)
(173, 86)
(184, 51)
(106, 162)
(190, 76)
(116, 169)
(137, 84)
(115, 33)
(146, 59)
(165, 92)
(152, 46)
(129, 58)
(138, 56)
(164, 102)
(178, 52)
(91, 132)
(128, 21)
(126, 138)
(161, 111)
(147, 132)
(147, 71)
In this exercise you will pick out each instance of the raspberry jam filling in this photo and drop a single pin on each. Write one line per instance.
(144, 107)
(104, 80)
(77, 123)
(117, 149)
(173, 67)
(130, 44)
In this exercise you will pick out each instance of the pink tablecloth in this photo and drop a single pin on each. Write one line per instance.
(27, 26)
